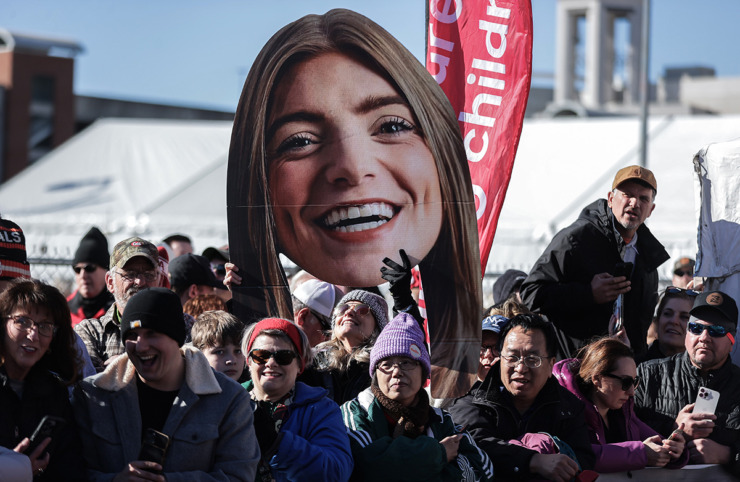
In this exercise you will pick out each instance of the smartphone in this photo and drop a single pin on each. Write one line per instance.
(623, 269)
(49, 426)
(154, 447)
(706, 400)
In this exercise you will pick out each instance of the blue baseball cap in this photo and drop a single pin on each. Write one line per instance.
(495, 323)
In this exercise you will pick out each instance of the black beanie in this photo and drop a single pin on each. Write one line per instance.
(158, 309)
(93, 249)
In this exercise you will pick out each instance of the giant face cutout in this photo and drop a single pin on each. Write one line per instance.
(351, 178)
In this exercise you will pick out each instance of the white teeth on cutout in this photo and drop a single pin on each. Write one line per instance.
(344, 213)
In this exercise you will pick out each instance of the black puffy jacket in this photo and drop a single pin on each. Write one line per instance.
(667, 385)
(489, 415)
(559, 284)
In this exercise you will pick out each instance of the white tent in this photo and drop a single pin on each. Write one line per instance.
(564, 164)
(128, 177)
(154, 178)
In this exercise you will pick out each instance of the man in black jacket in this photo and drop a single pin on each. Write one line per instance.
(576, 280)
(518, 401)
(668, 387)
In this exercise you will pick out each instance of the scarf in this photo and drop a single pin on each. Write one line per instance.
(410, 421)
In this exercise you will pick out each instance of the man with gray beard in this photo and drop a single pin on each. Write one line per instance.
(603, 264)
(134, 265)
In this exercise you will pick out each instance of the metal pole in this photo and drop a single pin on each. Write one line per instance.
(644, 81)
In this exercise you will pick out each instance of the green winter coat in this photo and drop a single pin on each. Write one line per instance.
(380, 457)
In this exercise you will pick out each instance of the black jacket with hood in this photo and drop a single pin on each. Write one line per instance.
(559, 284)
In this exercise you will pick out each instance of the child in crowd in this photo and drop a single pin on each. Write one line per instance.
(218, 335)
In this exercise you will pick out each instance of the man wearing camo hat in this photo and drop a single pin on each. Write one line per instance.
(134, 265)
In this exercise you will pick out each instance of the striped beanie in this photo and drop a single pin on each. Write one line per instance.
(401, 337)
(13, 261)
(377, 304)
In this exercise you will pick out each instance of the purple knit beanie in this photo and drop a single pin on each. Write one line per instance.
(401, 337)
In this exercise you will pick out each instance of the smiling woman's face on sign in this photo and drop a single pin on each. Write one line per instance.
(350, 176)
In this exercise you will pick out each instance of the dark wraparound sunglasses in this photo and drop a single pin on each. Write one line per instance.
(627, 382)
(715, 331)
(674, 291)
(282, 357)
(89, 268)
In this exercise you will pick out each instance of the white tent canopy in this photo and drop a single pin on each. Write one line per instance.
(153, 178)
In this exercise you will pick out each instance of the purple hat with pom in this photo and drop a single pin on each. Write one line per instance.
(401, 337)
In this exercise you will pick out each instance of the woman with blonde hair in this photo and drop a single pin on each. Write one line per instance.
(345, 149)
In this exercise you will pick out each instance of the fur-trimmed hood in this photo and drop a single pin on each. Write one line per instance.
(199, 375)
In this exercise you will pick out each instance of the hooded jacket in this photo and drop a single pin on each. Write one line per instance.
(669, 384)
(614, 457)
(210, 423)
(312, 443)
(489, 414)
(559, 284)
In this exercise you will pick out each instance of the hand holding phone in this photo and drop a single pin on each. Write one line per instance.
(154, 447)
(706, 401)
(48, 427)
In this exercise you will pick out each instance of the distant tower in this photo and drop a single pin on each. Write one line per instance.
(599, 89)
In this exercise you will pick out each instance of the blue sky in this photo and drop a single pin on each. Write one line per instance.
(198, 53)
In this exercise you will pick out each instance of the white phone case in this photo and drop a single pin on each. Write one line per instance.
(706, 400)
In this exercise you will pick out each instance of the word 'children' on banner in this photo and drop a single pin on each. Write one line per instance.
(480, 53)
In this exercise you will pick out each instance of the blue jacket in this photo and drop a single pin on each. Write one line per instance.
(312, 443)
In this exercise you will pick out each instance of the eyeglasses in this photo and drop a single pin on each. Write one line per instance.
(148, 276)
(282, 357)
(627, 382)
(387, 366)
(25, 323)
(715, 331)
(530, 361)
(675, 290)
(359, 308)
(323, 320)
(494, 349)
(683, 273)
(88, 268)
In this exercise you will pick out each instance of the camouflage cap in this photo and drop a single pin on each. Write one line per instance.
(130, 248)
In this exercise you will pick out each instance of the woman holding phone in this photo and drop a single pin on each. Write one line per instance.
(604, 377)
(38, 360)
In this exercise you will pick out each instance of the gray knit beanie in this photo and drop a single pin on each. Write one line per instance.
(402, 337)
(377, 304)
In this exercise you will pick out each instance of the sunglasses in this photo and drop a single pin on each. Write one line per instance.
(627, 382)
(282, 357)
(89, 268)
(683, 273)
(219, 269)
(359, 308)
(715, 331)
(675, 290)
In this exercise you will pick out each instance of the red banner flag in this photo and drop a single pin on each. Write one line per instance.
(480, 53)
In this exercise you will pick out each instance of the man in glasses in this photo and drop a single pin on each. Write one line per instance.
(134, 265)
(191, 276)
(669, 386)
(218, 257)
(160, 385)
(606, 255)
(91, 299)
(683, 272)
(506, 412)
(313, 303)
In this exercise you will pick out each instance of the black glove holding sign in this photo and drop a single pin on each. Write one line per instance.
(399, 278)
